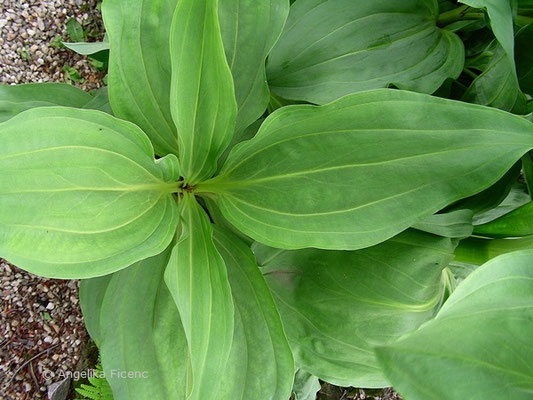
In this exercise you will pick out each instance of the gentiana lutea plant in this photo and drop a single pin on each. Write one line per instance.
(268, 193)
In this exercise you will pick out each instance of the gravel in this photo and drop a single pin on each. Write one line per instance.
(41, 327)
(41, 330)
(28, 27)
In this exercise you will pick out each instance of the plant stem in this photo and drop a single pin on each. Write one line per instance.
(448, 17)
(470, 73)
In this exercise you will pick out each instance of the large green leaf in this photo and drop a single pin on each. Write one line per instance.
(358, 171)
(138, 330)
(197, 279)
(17, 98)
(331, 48)
(479, 344)
(81, 194)
(249, 30)
(260, 364)
(202, 99)
(336, 306)
(139, 66)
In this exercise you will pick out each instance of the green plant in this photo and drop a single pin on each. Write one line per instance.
(98, 388)
(334, 238)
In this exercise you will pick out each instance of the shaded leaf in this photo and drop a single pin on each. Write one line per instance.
(249, 30)
(477, 251)
(331, 48)
(482, 332)
(336, 306)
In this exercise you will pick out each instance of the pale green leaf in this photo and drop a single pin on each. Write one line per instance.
(138, 329)
(260, 364)
(358, 171)
(202, 99)
(306, 386)
(330, 48)
(139, 66)
(197, 279)
(249, 30)
(87, 48)
(336, 306)
(17, 98)
(80, 193)
(453, 224)
(478, 346)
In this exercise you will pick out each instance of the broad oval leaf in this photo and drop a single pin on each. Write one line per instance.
(331, 48)
(139, 67)
(15, 99)
(483, 332)
(197, 279)
(80, 193)
(356, 172)
(202, 101)
(133, 319)
(260, 364)
(336, 306)
(249, 30)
